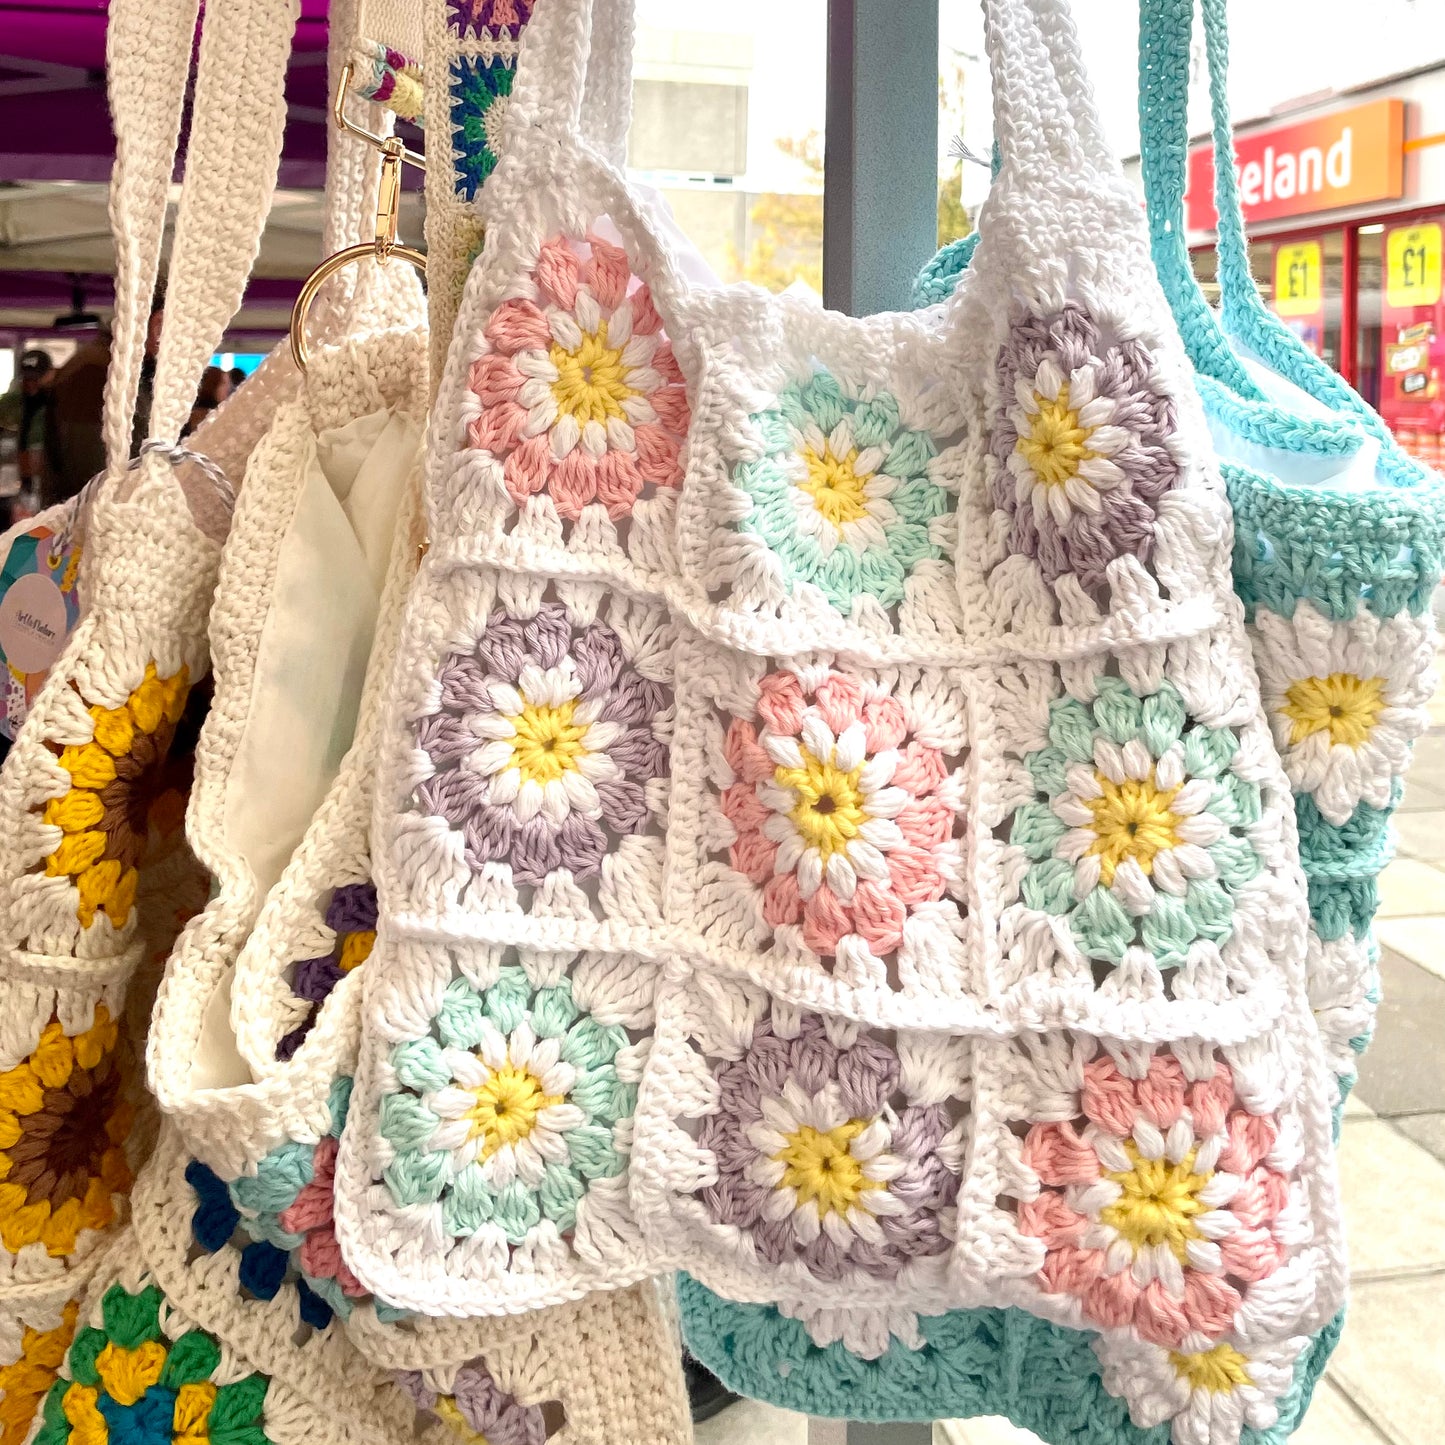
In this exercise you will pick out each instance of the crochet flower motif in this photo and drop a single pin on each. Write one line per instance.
(115, 780)
(1346, 700)
(817, 1164)
(477, 1407)
(287, 1206)
(481, 91)
(1206, 1393)
(64, 1122)
(511, 1111)
(490, 17)
(543, 741)
(844, 493)
(1164, 1207)
(837, 812)
(581, 395)
(351, 915)
(217, 1224)
(1083, 444)
(1144, 824)
(128, 1382)
(25, 1381)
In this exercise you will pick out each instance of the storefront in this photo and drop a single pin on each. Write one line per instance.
(1345, 207)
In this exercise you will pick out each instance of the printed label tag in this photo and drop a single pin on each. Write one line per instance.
(39, 607)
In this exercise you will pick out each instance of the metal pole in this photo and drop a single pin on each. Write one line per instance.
(880, 165)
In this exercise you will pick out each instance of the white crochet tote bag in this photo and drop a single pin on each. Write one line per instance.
(94, 874)
(848, 727)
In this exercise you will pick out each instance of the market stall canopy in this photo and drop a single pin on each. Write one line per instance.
(57, 149)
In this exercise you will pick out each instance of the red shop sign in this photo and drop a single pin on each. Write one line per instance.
(1344, 158)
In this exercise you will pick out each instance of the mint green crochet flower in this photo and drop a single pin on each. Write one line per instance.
(1143, 837)
(508, 1111)
(844, 494)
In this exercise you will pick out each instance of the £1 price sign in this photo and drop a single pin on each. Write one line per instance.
(1412, 266)
(1298, 278)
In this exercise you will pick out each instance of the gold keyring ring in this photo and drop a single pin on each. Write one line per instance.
(327, 269)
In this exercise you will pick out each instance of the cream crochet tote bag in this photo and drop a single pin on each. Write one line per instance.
(95, 877)
(827, 833)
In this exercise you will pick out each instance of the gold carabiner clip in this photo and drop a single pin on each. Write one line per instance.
(388, 211)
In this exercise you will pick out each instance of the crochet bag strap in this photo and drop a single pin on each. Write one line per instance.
(233, 154)
(1165, 31)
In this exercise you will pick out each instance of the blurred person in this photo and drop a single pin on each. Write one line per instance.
(74, 440)
(23, 412)
(215, 388)
(237, 377)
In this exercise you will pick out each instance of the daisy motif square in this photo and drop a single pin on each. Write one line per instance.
(1168, 1193)
(785, 1154)
(486, 1155)
(1143, 857)
(820, 500)
(534, 763)
(1098, 510)
(818, 839)
(574, 410)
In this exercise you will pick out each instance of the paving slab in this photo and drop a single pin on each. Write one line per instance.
(1421, 835)
(1403, 1071)
(1357, 1108)
(1412, 887)
(1419, 939)
(1428, 1131)
(750, 1422)
(1333, 1420)
(1391, 1357)
(1394, 1198)
(1422, 796)
(985, 1430)
(1428, 765)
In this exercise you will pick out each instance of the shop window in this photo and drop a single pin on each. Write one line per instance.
(1401, 328)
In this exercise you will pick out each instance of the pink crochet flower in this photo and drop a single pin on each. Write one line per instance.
(311, 1214)
(837, 811)
(1163, 1208)
(581, 395)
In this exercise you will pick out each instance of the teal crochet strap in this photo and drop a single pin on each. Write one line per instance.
(1043, 1377)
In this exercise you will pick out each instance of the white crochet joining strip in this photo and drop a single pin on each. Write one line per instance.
(966, 760)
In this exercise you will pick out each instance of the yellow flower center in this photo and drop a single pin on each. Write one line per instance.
(507, 1107)
(449, 1413)
(1158, 1204)
(820, 1166)
(591, 381)
(1132, 819)
(1056, 443)
(1345, 706)
(547, 742)
(829, 808)
(1219, 1370)
(835, 486)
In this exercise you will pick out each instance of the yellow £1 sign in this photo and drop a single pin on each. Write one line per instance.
(1298, 278)
(1412, 265)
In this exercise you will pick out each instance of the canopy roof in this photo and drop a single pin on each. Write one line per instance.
(57, 149)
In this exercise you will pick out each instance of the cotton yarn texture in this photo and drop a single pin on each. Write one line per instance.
(828, 833)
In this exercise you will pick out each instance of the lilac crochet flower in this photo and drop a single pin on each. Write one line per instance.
(543, 742)
(819, 1162)
(352, 914)
(1084, 445)
(478, 1407)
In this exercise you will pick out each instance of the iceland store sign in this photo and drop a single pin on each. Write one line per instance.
(1346, 158)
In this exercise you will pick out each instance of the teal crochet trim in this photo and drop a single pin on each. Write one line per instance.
(1381, 549)
(936, 281)
(1042, 1376)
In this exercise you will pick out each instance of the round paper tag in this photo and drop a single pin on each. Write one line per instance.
(32, 623)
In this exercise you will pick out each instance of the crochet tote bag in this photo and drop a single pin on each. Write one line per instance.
(1335, 559)
(94, 875)
(778, 712)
